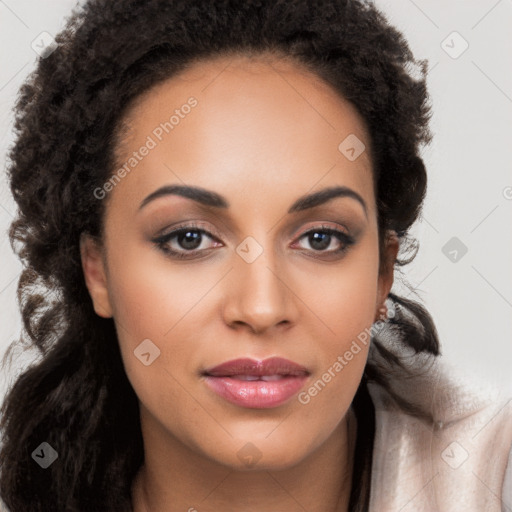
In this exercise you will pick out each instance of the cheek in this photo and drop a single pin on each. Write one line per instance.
(342, 297)
(344, 303)
(151, 295)
(342, 344)
(345, 300)
(156, 301)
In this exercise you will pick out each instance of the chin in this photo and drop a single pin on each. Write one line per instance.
(252, 454)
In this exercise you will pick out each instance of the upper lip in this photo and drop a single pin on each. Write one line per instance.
(247, 366)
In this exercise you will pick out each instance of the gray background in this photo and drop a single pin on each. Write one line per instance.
(469, 164)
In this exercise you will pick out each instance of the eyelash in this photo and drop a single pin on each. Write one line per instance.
(162, 241)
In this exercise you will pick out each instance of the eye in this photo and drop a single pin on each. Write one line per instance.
(190, 240)
(322, 238)
(186, 241)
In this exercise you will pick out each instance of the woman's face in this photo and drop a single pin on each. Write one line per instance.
(257, 276)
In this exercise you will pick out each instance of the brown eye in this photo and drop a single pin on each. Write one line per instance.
(186, 242)
(317, 242)
(320, 239)
(190, 239)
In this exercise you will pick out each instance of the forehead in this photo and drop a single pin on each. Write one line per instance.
(236, 123)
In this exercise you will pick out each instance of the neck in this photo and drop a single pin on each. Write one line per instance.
(173, 478)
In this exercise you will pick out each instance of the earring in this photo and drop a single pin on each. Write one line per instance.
(383, 313)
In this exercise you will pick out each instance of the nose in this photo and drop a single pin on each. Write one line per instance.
(258, 297)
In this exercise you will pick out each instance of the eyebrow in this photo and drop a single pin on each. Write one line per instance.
(213, 199)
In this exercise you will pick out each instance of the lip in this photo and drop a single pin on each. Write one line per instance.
(229, 380)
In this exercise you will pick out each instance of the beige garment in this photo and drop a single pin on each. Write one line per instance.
(460, 462)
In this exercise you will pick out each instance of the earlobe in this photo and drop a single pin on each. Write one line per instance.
(95, 276)
(386, 275)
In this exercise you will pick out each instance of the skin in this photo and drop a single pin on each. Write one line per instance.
(264, 133)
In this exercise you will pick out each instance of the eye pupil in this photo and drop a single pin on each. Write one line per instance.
(319, 241)
(189, 239)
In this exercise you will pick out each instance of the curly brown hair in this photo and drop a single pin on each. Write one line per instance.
(76, 396)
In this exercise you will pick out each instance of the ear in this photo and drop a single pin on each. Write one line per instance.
(386, 272)
(94, 268)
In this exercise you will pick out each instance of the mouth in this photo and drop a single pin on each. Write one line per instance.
(256, 384)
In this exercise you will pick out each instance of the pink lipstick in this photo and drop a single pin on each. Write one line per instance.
(256, 384)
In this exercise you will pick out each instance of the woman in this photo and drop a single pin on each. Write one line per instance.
(212, 200)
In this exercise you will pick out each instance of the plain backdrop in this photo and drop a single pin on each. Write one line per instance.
(463, 271)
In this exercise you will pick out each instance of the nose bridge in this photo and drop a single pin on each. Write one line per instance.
(257, 295)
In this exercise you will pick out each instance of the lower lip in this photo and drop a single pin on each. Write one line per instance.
(255, 394)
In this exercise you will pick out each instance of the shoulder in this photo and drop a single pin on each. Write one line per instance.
(453, 452)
